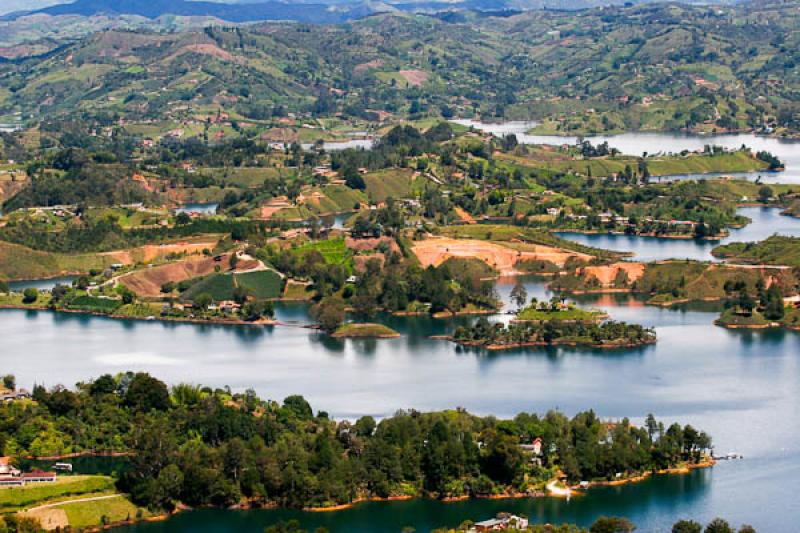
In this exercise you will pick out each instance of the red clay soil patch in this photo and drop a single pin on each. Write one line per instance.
(414, 78)
(10, 188)
(368, 245)
(150, 252)
(463, 215)
(23, 50)
(360, 261)
(606, 274)
(148, 281)
(283, 135)
(435, 251)
(50, 518)
(363, 67)
(208, 50)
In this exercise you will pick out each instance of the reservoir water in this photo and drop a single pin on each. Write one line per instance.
(742, 387)
(765, 222)
(206, 209)
(40, 284)
(637, 143)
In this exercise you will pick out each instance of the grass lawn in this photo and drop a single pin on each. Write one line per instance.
(344, 197)
(14, 498)
(219, 286)
(21, 262)
(487, 232)
(464, 268)
(775, 250)
(91, 303)
(140, 310)
(385, 183)
(91, 513)
(297, 291)
(573, 314)
(262, 284)
(334, 251)
(353, 330)
(658, 166)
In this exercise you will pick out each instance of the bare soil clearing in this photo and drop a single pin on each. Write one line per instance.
(414, 78)
(606, 274)
(437, 250)
(147, 282)
(151, 252)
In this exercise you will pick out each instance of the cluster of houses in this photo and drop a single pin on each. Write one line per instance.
(224, 306)
(607, 216)
(10, 476)
(534, 449)
(502, 522)
(14, 395)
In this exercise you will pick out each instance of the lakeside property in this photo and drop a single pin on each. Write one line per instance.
(465, 455)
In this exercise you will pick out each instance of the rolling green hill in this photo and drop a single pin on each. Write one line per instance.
(654, 66)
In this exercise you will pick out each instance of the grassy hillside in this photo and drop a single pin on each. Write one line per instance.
(739, 161)
(67, 486)
(394, 183)
(652, 66)
(218, 286)
(775, 250)
(20, 262)
(263, 284)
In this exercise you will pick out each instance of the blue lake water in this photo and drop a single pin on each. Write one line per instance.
(743, 387)
(40, 284)
(765, 222)
(637, 143)
(209, 208)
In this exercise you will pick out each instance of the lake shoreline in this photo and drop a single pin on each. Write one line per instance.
(184, 320)
(543, 344)
(651, 235)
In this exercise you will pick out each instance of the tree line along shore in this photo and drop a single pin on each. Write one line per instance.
(201, 447)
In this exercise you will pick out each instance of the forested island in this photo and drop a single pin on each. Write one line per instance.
(197, 446)
(606, 334)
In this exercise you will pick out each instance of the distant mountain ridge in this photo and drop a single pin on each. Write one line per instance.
(261, 11)
(312, 11)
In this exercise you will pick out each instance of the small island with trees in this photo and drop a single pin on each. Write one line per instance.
(553, 323)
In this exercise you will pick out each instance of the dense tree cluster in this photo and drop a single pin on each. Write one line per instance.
(209, 447)
(606, 333)
(105, 233)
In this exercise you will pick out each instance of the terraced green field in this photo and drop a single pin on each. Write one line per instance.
(263, 284)
(394, 183)
(739, 161)
(20, 497)
(333, 250)
(92, 303)
(219, 286)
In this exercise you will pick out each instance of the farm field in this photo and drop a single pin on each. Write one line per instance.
(263, 284)
(15, 498)
(394, 183)
(218, 286)
(92, 303)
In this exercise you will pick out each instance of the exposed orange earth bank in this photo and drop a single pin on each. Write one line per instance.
(151, 252)
(606, 274)
(436, 250)
(147, 282)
